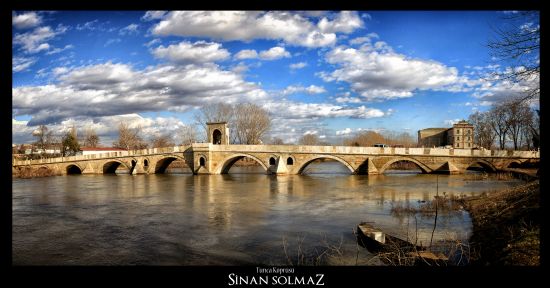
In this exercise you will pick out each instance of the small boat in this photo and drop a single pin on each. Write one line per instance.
(376, 241)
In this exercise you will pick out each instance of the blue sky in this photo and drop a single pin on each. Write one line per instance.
(330, 73)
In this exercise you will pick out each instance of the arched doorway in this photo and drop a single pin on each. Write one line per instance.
(216, 137)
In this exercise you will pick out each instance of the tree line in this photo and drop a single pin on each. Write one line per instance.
(512, 120)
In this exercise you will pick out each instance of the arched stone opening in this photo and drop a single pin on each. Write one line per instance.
(112, 166)
(73, 169)
(272, 161)
(305, 170)
(514, 164)
(481, 165)
(226, 165)
(422, 167)
(216, 137)
(289, 161)
(164, 164)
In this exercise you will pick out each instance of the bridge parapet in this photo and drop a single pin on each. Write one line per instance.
(206, 149)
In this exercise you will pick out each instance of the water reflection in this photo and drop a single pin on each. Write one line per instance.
(230, 219)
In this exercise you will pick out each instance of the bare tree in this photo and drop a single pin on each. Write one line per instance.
(276, 141)
(219, 112)
(484, 135)
(129, 138)
(44, 137)
(365, 138)
(188, 135)
(161, 141)
(518, 41)
(534, 128)
(500, 122)
(520, 117)
(309, 139)
(251, 123)
(91, 139)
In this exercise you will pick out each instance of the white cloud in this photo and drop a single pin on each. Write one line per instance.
(378, 73)
(298, 65)
(345, 22)
(152, 42)
(131, 29)
(246, 54)
(274, 53)
(187, 52)
(111, 89)
(451, 122)
(347, 99)
(311, 132)
(311, 89)
(22, 63)
(112, 41)
(58, 50)
(492, 89)
(344, 132)
(152, 15)
(323, 110)
(363, 39)
(90, 25)
(290, 27)
(105, 127)
(26, 20)
(36, 41)
(240, 68)
(60, 70)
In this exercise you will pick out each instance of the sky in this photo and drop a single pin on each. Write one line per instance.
(329, 73)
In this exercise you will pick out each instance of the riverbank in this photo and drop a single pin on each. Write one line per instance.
(506, 226)
(29, 172)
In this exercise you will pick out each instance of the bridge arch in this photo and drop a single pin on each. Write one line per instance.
(422, 166)
(228, 162)
(163, 163)
(513, 164)
(316, 157)
(73, 168)
(110, 166)
(484, 163)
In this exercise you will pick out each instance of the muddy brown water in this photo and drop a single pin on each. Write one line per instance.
(241, 218)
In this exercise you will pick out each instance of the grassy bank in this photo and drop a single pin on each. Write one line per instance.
(29, 172)
(506, 226)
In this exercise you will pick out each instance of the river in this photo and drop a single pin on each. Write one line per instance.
(240, 218)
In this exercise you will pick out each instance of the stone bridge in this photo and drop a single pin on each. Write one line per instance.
(207, 158)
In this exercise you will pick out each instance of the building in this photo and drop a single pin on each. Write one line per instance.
(460, 136)
(98, 150)
(218, 133)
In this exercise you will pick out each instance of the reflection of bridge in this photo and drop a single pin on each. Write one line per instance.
(205, 158)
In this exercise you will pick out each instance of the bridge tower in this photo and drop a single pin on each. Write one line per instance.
(218, 133)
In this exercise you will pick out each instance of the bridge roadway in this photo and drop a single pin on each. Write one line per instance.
(206, 158)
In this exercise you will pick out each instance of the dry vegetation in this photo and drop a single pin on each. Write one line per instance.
(506, 226)
(444, 204)
(28, 172)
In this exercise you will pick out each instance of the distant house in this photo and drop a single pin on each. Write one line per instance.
(98, 150)
(460, 136)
